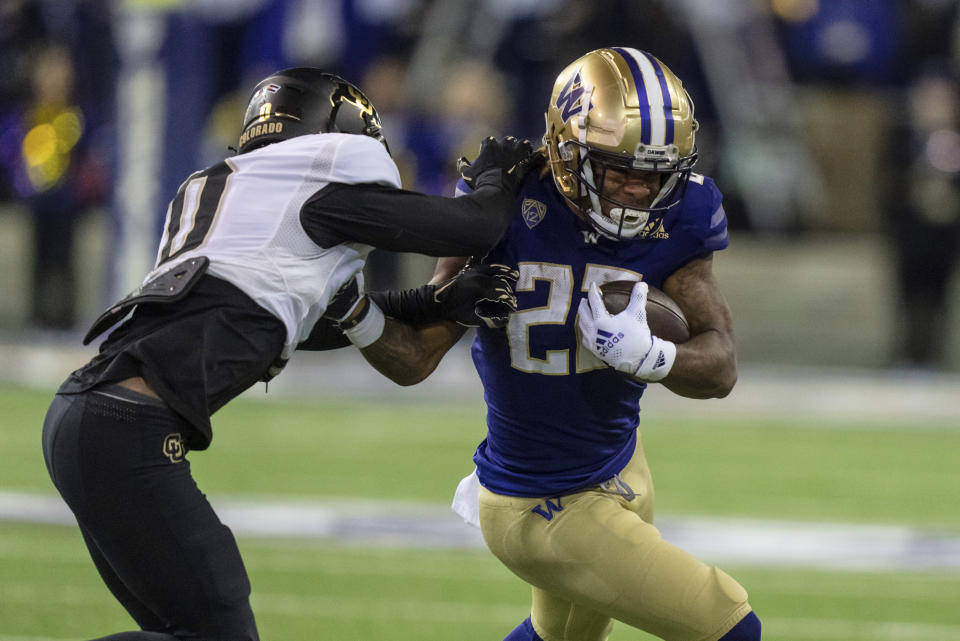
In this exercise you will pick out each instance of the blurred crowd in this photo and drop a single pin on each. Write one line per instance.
(839, 115)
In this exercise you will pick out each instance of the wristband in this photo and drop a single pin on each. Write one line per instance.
(658, 362)
(368, 328)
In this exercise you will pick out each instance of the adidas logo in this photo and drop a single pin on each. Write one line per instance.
(607, 341)
(650, 232)
(661, 360)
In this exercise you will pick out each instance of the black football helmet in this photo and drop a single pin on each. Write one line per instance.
(304, 100)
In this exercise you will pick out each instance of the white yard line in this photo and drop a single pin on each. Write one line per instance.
(854, 397)
(800, 629)
(757, 542)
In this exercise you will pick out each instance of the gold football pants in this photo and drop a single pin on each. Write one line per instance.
(595, 556)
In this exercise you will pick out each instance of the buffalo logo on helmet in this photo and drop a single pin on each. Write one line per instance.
(346, 92)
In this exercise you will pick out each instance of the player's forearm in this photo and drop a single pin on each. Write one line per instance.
(705, 366)
(407, 355)
(407, 221)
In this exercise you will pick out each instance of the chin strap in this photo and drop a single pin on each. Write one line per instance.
(667, 188)
(588, 177)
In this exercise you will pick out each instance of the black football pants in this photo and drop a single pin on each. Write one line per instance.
(153, 536)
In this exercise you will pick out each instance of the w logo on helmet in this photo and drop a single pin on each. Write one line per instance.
(568, 102)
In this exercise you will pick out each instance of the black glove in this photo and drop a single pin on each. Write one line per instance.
(500, 162)
(478, 294)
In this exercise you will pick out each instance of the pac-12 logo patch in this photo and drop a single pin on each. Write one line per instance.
(533, 212)
(173, 447)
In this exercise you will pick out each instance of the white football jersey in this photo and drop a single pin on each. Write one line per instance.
(244, 215)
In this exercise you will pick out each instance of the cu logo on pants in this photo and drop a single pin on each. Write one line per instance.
(173, 448)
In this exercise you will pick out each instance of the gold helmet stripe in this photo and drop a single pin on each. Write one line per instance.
(656, 108)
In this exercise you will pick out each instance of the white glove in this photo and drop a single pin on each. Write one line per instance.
(623, 341)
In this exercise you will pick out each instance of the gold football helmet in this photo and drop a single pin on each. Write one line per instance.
(619, 108)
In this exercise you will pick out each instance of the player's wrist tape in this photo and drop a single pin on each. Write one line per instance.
(368, 328)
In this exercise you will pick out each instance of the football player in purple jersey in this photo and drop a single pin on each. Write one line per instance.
(562, 491)
(260, 256)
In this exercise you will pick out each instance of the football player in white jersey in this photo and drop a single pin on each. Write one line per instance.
(562, 491)
(260, 256)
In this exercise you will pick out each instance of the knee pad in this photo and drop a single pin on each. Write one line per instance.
(748, 629)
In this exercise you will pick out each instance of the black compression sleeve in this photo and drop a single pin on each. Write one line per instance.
(325, 335)
(407, 221)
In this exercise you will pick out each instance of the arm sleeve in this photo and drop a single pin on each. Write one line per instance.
(414, 306)
(408, 221)
(325, 335)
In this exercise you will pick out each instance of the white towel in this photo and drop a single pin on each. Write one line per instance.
(466, 500)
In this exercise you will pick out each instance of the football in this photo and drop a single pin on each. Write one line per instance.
(664, 316)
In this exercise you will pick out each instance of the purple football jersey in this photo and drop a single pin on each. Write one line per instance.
(558, 418)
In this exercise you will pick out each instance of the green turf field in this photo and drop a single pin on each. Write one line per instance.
(314, 589)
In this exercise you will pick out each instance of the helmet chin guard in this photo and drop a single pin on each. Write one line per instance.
(619, 108)
(624, 221)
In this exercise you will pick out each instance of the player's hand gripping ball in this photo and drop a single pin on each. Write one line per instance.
(664, 316)
(623, 340)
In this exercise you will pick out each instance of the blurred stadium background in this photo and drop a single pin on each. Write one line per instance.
(833, 129)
